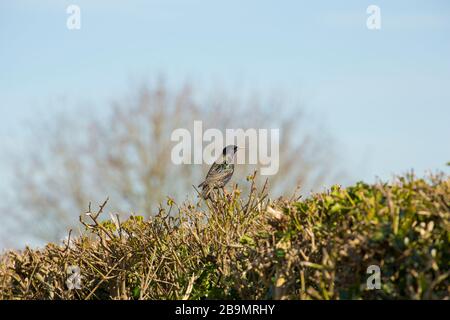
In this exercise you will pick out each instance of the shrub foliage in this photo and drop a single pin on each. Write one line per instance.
(254, 248)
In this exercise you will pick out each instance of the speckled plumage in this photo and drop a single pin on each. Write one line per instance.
(220, 172)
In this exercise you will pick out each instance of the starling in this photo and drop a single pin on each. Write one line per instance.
(220, 172)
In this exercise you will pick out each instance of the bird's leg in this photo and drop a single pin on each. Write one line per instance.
(217, 194)
(226, 194)
(213, 195)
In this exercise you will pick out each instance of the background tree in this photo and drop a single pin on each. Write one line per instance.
(124, 153)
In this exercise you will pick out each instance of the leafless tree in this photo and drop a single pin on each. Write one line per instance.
(124, 153)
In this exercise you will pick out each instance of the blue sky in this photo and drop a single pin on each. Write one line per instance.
(384, 95)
